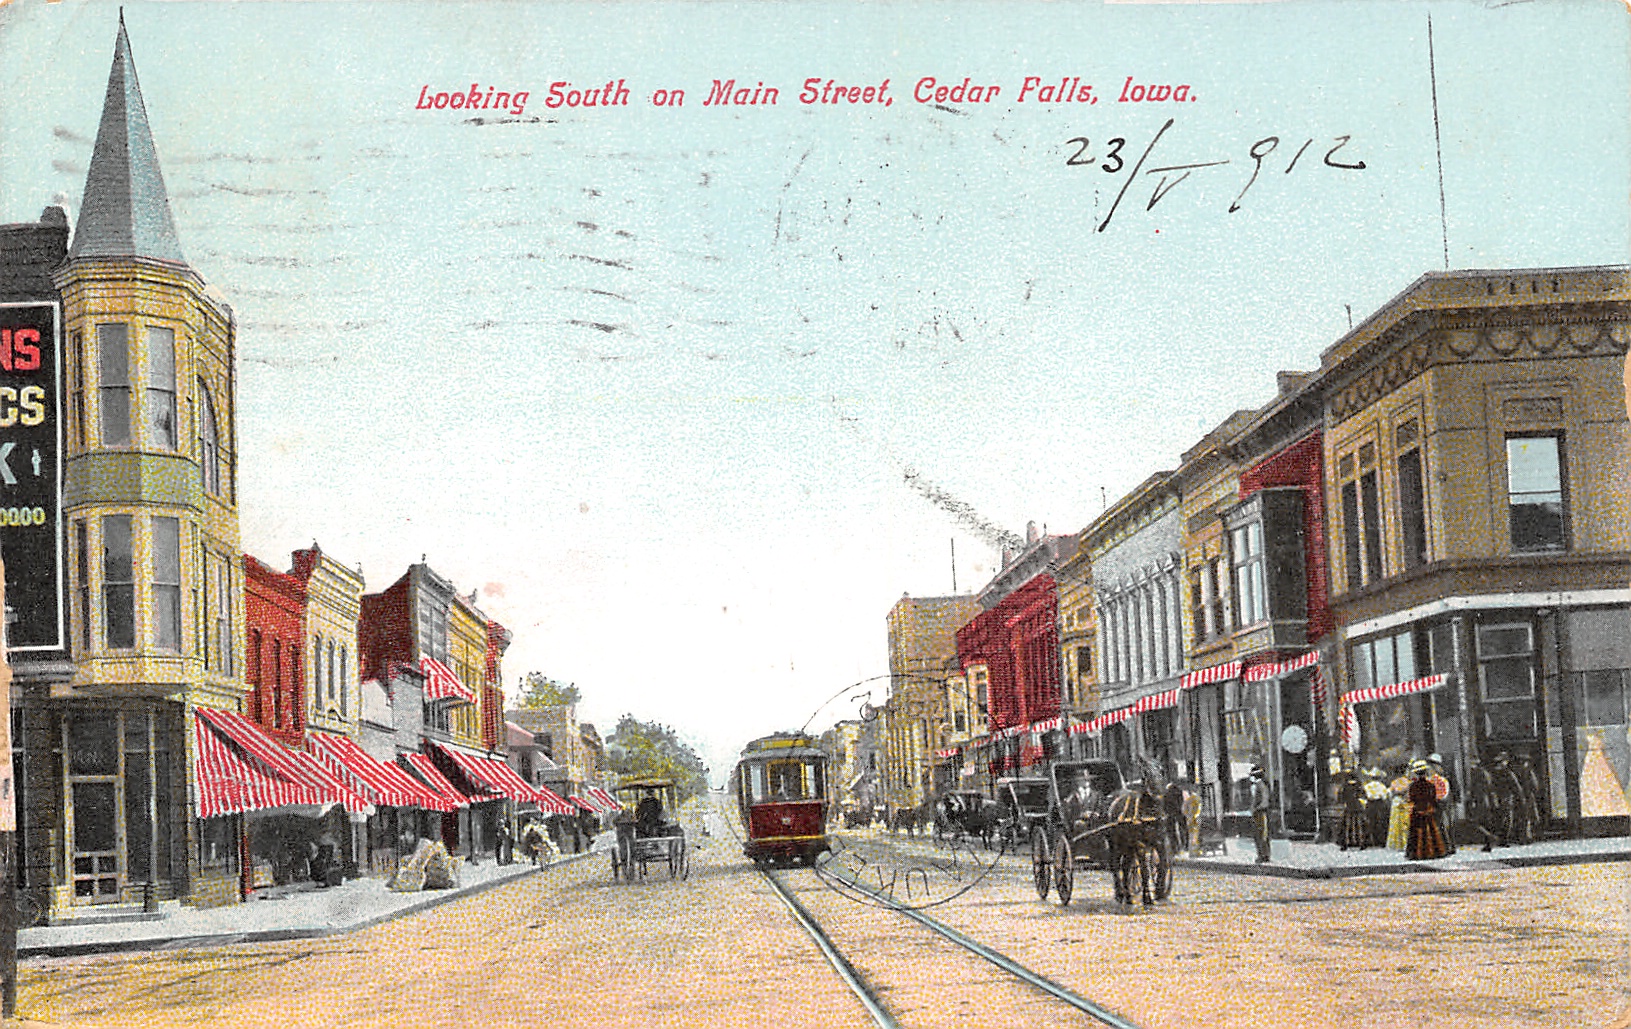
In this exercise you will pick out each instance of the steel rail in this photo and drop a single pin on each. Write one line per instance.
(1001, 960)
(846, 971)
(852, 976)
(829, 950)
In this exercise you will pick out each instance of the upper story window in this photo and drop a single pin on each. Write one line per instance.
(118, 583)
(1535, 495)
(167, 583)
(1412, 496)
(113, 381)
(209, 441)
(1361, 517)
(1251, 587)
(161, 388)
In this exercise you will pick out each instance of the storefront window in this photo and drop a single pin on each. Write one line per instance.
(1506, 680)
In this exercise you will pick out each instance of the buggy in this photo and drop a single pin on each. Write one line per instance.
(1096, 821)
(647, 834)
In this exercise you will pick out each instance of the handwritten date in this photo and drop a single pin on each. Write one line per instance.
(1111, 162)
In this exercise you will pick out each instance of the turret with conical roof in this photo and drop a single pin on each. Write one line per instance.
(125, 211)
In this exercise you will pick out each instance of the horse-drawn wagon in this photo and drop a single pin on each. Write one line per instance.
(1026, 799)
(647, 834)
(1095, 820)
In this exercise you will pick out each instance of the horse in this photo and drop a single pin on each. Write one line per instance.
(532, 841)
(904, 818)
(960, 814)
(1138, 830)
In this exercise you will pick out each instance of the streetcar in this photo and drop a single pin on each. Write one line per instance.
(781, 794)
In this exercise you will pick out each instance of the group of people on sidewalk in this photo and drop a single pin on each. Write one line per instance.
(1411, 813)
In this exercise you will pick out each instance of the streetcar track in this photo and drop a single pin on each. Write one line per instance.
(868, 994)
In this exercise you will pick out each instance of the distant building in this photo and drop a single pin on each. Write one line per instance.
(919, 717)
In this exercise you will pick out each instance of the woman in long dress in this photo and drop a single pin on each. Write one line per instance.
(1426, 841)
(1398, 826)
(1355, 827)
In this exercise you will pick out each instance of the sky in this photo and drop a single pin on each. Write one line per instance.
(691, 395)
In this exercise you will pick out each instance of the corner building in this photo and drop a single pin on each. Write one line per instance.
(151, 517)
(1480, 538)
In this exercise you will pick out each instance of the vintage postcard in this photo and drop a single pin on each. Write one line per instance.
(816, 513)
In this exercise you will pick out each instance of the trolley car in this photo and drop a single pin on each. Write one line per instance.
(781, 793)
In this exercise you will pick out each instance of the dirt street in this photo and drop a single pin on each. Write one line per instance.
(1515, 948)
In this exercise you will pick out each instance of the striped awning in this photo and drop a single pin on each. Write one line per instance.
(1274, 669)
(441, 683)
(427, 772)
(550, 801)
(384, 783)
(501, 779)
(230, 781)
(1217, 673)
(1156, 701)
(583, 804)
(1397, 689)
(354, 800)
(1099, 724)
(608, 801)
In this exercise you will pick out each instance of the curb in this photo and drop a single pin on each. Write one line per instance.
(1403, 867)
(435, 899)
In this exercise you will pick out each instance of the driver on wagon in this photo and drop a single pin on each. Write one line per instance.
(648, 816)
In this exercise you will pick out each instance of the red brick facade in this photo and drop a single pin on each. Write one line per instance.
(274, 645)
(1301, 465)
(1018, 642)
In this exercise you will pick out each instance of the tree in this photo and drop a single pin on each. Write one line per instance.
(540, 691)
(649, 750)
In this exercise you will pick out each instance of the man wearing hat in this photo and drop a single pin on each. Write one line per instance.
(1260, 813)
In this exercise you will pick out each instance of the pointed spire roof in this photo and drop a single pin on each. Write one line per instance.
(125, 211)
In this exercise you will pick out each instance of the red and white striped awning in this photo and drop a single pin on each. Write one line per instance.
(354, 800)
(608, 801)
(1156, 701)
(1397, 689)
(441, 683)
(385, 783)
(582, 804)
(1217, 673)
(552, 802)
(230, 781)
(426, 769)
(1274, 669)
(946, 752)
(1109, 718)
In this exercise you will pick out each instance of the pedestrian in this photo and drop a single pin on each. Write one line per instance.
(1426, 838)
(1260, 813)
(1398, 824)
(1447, 796)
(1355, 831)
(503, 844)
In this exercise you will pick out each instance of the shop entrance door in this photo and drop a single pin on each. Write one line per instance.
(91, 743)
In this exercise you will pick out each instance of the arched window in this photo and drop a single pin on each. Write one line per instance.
(209, 441)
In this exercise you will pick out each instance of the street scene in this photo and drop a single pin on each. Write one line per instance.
(819, 514)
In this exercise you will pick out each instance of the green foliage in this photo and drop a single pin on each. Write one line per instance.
(639, 749)
(540, 691)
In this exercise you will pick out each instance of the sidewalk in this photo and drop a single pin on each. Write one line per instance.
(352, 905)
(1298, 860)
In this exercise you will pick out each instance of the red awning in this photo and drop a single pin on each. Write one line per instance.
(434, 779)
(440, 682)
(385, 783)
(583, 804)
(607, 801)
(1217, 673)
(501, 779)
(549, 800)
(292, 765)
(230, 782)
(1397, 689)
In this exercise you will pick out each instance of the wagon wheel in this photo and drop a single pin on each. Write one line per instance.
(625, 847)
(1159, 858)
(1041, 862)
(617, 867)
(685, 859)
(1064, 875)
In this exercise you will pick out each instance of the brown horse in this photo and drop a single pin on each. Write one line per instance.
(1139, 835)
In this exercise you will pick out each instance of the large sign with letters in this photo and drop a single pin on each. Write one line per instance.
(31, 474)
